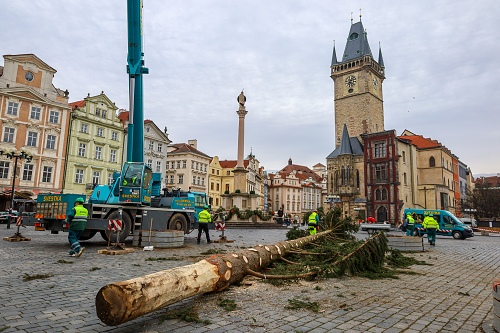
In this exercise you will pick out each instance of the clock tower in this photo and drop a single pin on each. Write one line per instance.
(358, 81)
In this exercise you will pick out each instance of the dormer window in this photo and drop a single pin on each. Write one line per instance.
(353, 36)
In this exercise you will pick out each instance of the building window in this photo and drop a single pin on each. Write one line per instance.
(404, 157)
(51, 142)
(178, 164)
(47, 174)
(192, 164)
(404, 178)
(228, 173)
(159, 147)
(114, 136)
(151, 145)
(167, 165)
(98, 112)
(8, 134)
(379, 150)
(104, 114)
(35, 112)
(173, 164)
(212, 186)
(98, 152)
(158, 166)
(54, 117)
(4, 169)
(84, 128)
(184, 162)
(380, 172)
(96, 175)
(171, 179)
(203, 181)
(28, 172)
(12, 108)
(384, 194)
(198, 180)
(227, 188)
(181, 179)
(32, 139)
(432, 162)
(197, 165)
(81, 149)
(217, 172)
(100, 132)
(79, 176)
(150, 163)
(112, 155)
(194, 179)
(217, 187)
(110, 179)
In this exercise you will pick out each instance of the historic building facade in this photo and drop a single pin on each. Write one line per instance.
(34, 118)
(187, 168)
(95, 144)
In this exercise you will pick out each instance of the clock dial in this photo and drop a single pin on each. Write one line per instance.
(29, 76)
(375, 83)
(350, 81)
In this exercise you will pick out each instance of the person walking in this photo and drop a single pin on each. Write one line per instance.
(410, 224)
(313, 222)
(431, 225)
(204, 219)
(77, 220)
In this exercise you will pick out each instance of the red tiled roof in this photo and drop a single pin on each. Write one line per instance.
(77, 104)
(226, 164)
(185, 148)
(301, 172)
(493, 181)
(421, 142)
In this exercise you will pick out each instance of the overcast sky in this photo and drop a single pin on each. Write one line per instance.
(442, 66)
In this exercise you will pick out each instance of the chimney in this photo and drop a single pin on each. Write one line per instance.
(193, 143)
(290, 161)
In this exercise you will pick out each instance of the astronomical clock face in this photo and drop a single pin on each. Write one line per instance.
(350, 81)
(375, 83)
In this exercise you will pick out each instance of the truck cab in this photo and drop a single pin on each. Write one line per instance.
(449, 224)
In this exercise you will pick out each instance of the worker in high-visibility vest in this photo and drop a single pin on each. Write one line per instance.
(410, 224)
(313, 222)
(77, 222)
(204, 218)
(431, 225)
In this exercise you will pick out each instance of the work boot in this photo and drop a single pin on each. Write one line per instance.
(80, 252)
(198, 241)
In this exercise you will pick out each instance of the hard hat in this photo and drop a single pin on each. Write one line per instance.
(80, 200)
(206, 207)
(315, 210)
(430, 214)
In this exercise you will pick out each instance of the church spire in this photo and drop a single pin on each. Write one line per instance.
(334, 56)
(380, 59)
(357, 43)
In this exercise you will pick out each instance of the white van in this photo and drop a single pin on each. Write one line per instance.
(469, 221)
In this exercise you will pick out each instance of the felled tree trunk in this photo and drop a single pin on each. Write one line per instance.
(119, 302)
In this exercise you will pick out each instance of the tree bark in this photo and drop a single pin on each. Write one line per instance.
(119, 302)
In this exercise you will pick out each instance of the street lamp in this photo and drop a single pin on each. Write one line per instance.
(15, 155)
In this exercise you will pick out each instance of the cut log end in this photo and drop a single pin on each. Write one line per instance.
(110, 305)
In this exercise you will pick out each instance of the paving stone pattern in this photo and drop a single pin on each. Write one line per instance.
(451, 295)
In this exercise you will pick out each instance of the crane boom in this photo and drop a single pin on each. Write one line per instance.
(135, 69)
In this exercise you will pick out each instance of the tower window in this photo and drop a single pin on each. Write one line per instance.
(353, 36)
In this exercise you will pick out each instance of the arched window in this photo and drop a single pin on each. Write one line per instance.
(384, 194)
(343, 176)
(404, 178)
(404, 157)
(432, 162)
(357, 179)
(378, 195)
(348, 176)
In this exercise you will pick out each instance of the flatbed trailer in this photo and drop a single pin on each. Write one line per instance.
(373, 227)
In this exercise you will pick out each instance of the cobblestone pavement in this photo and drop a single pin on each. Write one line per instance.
(451, 295)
